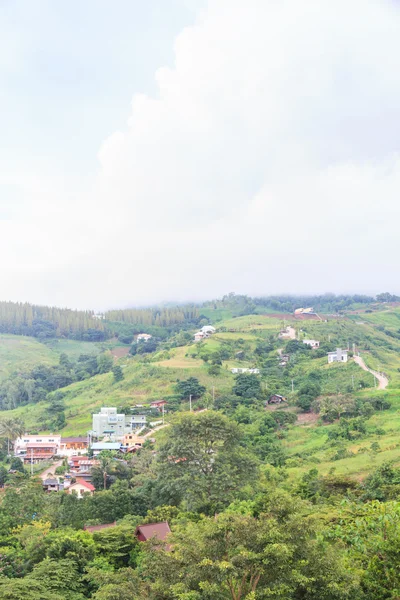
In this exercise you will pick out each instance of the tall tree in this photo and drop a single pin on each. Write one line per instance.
(202, 461)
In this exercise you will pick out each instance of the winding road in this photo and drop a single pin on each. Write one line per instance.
(383, 381)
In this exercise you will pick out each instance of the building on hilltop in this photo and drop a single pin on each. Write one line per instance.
(238, 370)
(208, 329)
(312, 343)
(143, 337)
(338, 356)
(275, 399)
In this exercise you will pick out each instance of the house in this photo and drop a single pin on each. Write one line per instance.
(21, 444)
(131, 440)
(138, 421)
(158, 531)
(80, 488)
(208, 329)
(93, 528)
(276, 399)
(98, 447)
(143, 337)
(338, 356)
(237, 370)
(159, 404)
(52, 485)
(109, 422)
(37, 452)
(72, 446)
(312, 343)
(200, 336)
(285, 334)
(81, 466)
(304, 311)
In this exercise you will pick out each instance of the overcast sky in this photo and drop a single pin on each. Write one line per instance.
(180, 150)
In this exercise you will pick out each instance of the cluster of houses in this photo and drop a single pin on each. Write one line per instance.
(204, 333)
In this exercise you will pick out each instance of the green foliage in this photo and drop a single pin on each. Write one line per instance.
(118, 373)
(247, 385)
(202, 462)
(190, 387)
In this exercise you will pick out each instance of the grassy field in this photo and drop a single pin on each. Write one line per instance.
(20, 353)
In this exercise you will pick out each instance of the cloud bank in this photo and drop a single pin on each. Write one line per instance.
(267, 162)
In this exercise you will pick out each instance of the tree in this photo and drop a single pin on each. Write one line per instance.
(101, 472)
(11, 429)
(59, 577)
(104, 362)
(239, 557)
(190, 387)
(247, 385)
(16, 589)
(202, 460)
(118, 373)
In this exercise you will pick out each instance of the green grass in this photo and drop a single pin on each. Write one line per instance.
(20, 353)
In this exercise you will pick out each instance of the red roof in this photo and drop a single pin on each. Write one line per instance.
(92, 528)
(158, 403)
(150, 530)
(86, 484)
(74, 440)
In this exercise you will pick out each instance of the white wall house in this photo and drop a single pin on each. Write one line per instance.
(109, 422)
(312, 343)
(143, 337)
(22, 443)
(338, 356)
(208, 329)
(244, 370)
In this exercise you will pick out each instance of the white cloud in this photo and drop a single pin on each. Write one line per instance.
(267, 162)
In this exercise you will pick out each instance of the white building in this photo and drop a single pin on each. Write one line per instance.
(312, 343)
(22, 444)
(137, 421)
(200, 336)
(143, 337)
(109, 422)
(208, 329)
(338, 356)
(244, 370)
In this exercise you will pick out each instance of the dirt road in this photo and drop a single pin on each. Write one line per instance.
(49, 471)
(383, 381)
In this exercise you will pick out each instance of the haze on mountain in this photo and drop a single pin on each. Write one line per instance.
(176, 151)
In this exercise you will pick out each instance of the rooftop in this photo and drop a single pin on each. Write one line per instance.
(157, 530)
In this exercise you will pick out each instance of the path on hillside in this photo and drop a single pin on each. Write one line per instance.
(49, 470)
(383, 381)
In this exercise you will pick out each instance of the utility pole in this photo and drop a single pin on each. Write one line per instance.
(163, 414)
(352, 381)
(292, 385)
(190, 402)
(31, 462)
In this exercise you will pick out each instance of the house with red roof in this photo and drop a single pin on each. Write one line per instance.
(148, 531)
(80, 488)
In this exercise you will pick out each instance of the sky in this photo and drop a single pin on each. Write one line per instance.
(177, 151)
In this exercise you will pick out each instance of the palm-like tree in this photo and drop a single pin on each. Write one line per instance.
(11, 429)
(104, 466)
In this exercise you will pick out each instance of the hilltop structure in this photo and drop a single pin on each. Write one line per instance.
(338, 355)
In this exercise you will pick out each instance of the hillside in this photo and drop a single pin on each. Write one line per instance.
(247, 341)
